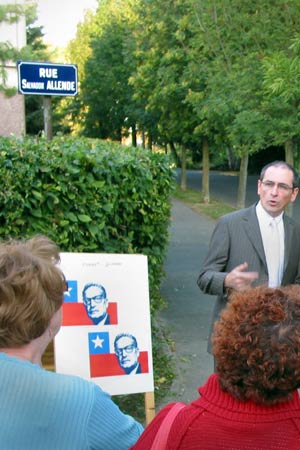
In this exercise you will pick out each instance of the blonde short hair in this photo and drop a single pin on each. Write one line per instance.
(31, 289)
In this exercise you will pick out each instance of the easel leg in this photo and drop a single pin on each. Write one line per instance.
(149, 407)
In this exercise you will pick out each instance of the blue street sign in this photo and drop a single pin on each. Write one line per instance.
(46, 78)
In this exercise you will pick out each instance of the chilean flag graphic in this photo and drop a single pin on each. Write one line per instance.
(105, 364)
(74, 312)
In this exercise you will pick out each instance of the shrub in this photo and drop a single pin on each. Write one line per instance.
(88, 196)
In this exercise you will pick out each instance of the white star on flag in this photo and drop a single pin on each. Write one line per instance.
(98, 342)
(68, 293)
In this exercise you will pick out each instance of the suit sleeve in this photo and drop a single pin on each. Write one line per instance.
(214, 270)
(297, 277)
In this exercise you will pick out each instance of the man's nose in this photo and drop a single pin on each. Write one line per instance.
(274, 190)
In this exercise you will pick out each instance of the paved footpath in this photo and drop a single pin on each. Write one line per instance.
(189, 311)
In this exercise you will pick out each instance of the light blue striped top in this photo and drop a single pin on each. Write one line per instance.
(41, 410)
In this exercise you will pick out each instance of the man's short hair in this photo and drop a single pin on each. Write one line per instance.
(121, 335)
(281, 164)
(88, 285)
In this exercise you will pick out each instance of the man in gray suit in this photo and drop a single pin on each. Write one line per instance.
(255, 246)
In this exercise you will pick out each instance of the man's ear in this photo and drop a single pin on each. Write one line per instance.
(294, 194)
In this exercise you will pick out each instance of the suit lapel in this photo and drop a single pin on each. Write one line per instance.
(288, 233)
(253, 231)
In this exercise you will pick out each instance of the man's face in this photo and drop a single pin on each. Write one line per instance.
(95, 302)
(127, 353)
(275, 190)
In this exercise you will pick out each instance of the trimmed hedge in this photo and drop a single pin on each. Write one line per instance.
(88, 196)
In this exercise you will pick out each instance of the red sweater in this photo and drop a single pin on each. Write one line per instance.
(217, 421)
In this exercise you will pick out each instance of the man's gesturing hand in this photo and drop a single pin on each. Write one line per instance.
(240, 280)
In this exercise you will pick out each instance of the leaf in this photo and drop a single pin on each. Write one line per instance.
(84, 218)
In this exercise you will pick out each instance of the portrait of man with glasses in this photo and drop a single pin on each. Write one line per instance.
(259, 245)
(127, 352)
(96, 302)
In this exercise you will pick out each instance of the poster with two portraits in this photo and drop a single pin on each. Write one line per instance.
(106, 329)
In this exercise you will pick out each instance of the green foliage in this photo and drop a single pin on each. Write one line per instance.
(184, 70)
(162, 42)
(107, 108)
(281, 72)
(88, 196)
(10, 13)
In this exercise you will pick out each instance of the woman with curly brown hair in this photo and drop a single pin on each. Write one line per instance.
(252, 402)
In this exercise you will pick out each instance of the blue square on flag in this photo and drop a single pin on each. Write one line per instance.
(71, 295)
(98, 343)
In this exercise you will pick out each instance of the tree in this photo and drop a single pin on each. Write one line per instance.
(282, 97)
(72, 110)
(159, 82)
(236, 37)
(109, 110)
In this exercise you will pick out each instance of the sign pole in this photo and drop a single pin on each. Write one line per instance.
(47, 111)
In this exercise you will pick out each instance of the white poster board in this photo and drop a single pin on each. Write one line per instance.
(116, 353)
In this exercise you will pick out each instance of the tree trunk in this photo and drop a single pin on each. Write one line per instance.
(229, 158)
(183, 168)
(241, 197)
(289, 158)
(133, 135)
(143, 139)
(175, 154)
(205, 170)
(289, 151)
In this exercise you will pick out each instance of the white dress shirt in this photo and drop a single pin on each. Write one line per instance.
(272, 233)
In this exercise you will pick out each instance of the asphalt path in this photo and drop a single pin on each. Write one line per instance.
(188, 314)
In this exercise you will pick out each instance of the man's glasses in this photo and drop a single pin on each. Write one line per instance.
(97, 299)
(128, 349)
(282, 187)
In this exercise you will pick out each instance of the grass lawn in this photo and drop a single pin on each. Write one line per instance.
(194, 199)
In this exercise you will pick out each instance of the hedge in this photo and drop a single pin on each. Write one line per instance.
(88, 196)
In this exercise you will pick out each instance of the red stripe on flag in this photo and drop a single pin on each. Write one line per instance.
(143, 360)
(75, 314)
(107, 365)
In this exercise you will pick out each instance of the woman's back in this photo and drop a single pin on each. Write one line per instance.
(217, 421)
(42, 410)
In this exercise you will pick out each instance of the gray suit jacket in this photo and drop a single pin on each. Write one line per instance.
(237, 239)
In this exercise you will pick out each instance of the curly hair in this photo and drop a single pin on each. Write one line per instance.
(256, 344)
(31, 289)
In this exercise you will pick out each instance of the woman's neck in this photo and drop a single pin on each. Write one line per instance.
(31, 352)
